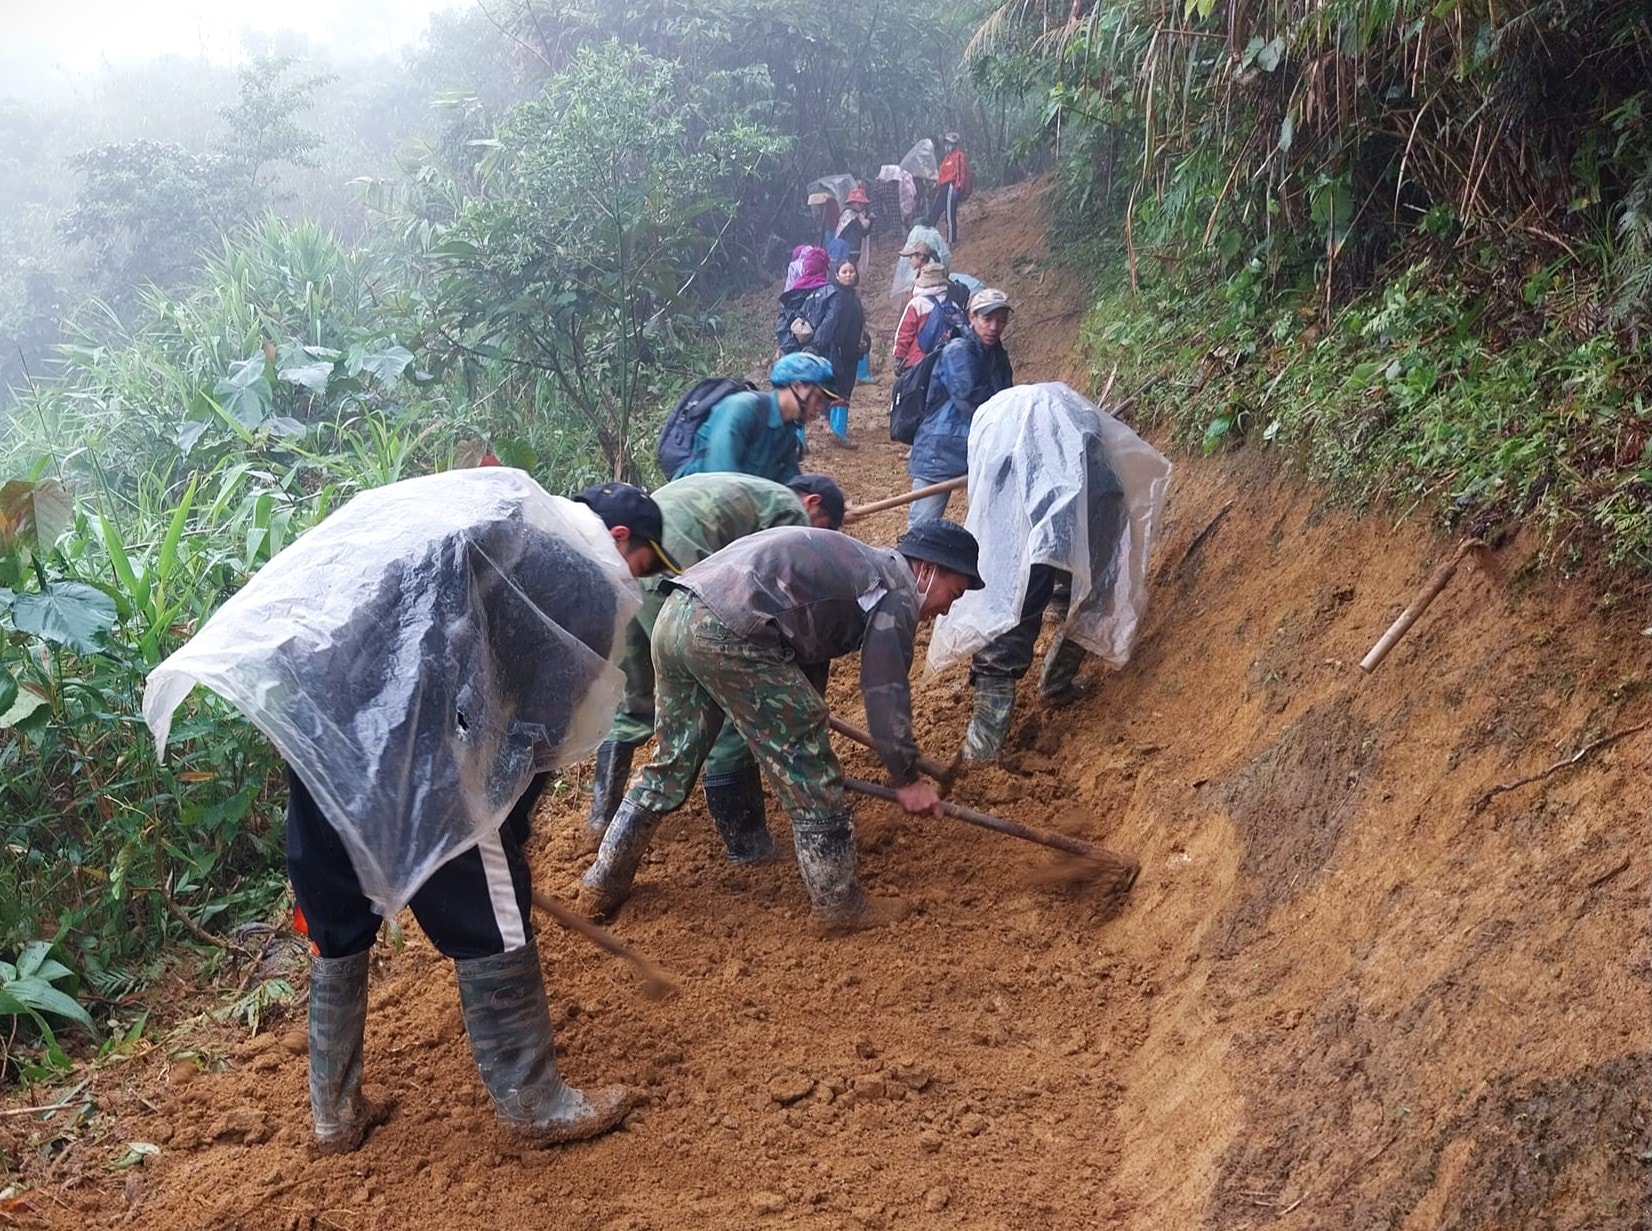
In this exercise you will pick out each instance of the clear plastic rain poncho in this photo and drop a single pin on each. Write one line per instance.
(1055, 480)
(908, 190)
(905, 275)
(418, 657)
(840, 186)
(920, 161)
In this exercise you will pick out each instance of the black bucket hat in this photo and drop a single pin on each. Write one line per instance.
(947, 544)
(620, 504)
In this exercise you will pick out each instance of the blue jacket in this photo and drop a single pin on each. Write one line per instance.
(966, 375)
(744, 433)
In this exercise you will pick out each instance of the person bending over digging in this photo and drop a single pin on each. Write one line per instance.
(422, 659)
(703, 513)
(747, 634)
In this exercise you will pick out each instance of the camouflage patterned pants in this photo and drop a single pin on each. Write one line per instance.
(634, 723)
(704, 672)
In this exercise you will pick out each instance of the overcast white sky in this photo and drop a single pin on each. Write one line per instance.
(51, 42)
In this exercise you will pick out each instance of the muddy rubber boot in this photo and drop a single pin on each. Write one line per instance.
(613, 768)
(990, 723)
(607, 885)
(1060, 685)
(509, 1024)
(338, 1022)
(826, 861)
(735, 801)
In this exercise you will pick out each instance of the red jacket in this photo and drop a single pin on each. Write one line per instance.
(907, 350)
(955, 170)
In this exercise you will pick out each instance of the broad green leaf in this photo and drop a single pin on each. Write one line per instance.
(24, 704)
(134, 1154)
(67, 613)
(34, 953)
(386, 366)
(38, 994)
(188, 434)
(246, 404)
(175, 531)
(310, 376)
(8, 690)
(34, 514)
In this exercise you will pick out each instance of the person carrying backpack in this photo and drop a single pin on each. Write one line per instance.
(952, 186)
(970, 370)
(762, 433)
(931, 289)
(792, 330)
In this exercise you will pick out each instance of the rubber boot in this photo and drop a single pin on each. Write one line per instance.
(613, 768)
(1061, 600)
(607, 885)
(509, 1024)
(838, 417)
(1059, 685)
(990, 723)
(826, 861)
(735, 801)
(338, 1022)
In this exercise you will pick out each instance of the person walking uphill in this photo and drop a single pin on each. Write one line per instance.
(747, 634)
(969, 372)
(422, 660)
(762, 433)
(703, 513)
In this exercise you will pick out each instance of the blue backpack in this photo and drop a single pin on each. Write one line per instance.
(945, 321)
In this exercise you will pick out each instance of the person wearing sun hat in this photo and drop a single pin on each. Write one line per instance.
(747, 635)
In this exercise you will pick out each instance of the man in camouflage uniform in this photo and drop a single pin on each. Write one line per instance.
(703, 514)
(746, 635)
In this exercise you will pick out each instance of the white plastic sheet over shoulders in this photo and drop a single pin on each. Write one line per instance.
(905, 275)
(1055, 480)
(418, 657)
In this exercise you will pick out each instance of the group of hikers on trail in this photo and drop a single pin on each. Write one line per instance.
(429, 655)
(820, 309)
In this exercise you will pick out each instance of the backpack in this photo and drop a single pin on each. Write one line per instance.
(907, 409)
(786, 339)
(957, 292)
(945, 321)
(692, 409)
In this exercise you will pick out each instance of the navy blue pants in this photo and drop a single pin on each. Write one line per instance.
(1011, 653)
(474, 905)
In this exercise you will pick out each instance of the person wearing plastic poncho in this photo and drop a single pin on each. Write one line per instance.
(421, 659)
(1058, 488)
(923, 245)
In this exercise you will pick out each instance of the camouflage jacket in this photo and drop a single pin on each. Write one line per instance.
(704, 513)
(822, 595)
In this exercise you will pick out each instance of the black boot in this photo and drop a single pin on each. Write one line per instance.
(735, 801)
(613, 768)
(509, 1024)
(826, 861)
(338, 1022)
(1060, 684)
(607, 884)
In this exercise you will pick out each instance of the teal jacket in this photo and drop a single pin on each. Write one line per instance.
(744, 433)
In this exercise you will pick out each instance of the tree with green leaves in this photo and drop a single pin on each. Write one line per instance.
(608, 196)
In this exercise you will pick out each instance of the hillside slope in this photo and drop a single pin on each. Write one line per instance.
(1344, 994)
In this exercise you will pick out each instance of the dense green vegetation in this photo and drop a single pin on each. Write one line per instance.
(225, 328)
(1409, 242)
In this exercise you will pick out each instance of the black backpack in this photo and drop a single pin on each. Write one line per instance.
(692, 409)
(957, 292)
(908, 407)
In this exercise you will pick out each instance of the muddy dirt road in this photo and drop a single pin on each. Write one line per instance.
(1340, 997)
